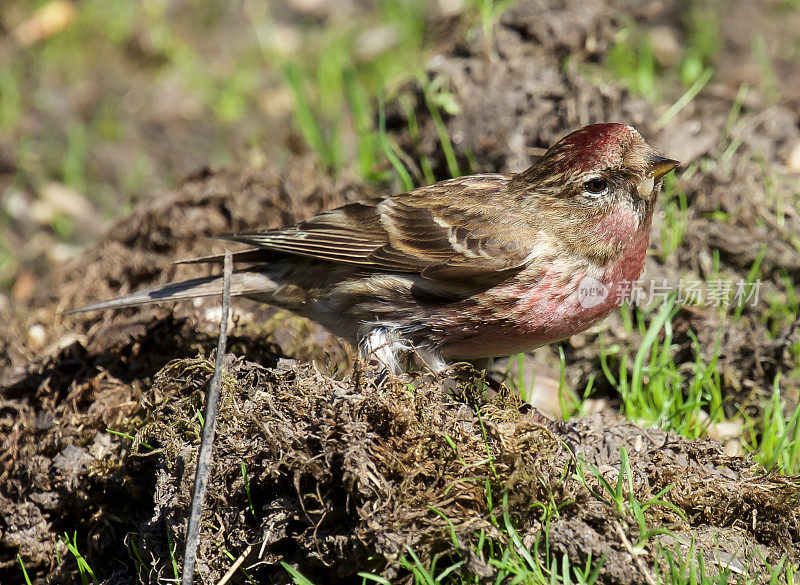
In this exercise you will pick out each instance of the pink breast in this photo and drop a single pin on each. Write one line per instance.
(551, 307)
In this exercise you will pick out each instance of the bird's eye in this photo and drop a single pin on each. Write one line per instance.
(595, 186)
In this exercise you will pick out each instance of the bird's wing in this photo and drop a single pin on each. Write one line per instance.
(448, 231)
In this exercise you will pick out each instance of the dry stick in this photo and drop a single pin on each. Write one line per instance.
(634, 554)
(210, 422)
(227, 576)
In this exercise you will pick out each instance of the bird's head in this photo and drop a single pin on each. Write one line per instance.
(596, 188)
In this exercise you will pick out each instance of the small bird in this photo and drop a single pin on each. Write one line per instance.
(470, 268)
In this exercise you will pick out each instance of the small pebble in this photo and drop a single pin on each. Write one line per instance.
(665, 46)
(450, 8)
(37, 337)
(793, 161)
(724, 431)
(733, 447)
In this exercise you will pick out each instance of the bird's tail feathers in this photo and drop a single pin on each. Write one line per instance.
(254, 255)
(242, 283)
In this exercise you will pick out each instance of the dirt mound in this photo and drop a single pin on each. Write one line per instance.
(336, 477)
(345, 476)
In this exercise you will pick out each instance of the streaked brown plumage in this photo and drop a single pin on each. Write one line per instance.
(473, 267)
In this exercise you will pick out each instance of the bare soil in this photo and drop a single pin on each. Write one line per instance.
(343, 470)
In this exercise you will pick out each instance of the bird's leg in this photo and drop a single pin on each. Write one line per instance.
(493, 377)
(384, 348)
(389, 351)
(483, 364)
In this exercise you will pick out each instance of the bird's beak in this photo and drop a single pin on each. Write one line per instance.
(660, 166)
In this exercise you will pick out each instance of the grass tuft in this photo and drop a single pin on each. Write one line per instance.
(85, 572)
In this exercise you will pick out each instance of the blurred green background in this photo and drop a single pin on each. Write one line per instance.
(106, 102)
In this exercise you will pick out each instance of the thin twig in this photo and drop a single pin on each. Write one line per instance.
(209, 424)
(634, 554)
(235, 565)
